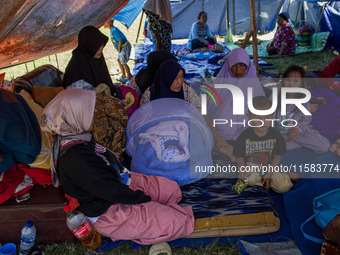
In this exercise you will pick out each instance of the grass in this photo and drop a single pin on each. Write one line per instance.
(125, 249)
(314, 61)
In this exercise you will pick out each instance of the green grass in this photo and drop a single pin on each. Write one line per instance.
(313, 60)
(125, 249)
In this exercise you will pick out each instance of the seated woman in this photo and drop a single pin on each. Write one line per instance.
(239, 71)
(120, 204)
(169, 83)
(284, 39)
(200, 35)
(87, 62)
(145, 77)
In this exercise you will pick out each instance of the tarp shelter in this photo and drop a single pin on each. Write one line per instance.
(129, 13)
(32, 29)
(311, 11)
(185, 14)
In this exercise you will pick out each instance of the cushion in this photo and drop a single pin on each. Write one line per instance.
(43, 159)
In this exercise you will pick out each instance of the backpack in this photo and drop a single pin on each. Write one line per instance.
(326, 207)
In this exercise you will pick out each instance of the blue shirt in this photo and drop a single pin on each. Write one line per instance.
(198, 31)
(117, 35)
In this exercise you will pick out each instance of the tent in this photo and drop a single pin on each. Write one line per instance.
(29, 30)
(34, 29)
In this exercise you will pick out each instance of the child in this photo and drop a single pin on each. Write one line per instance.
(261, 146)
(123, 47)
(300, 135)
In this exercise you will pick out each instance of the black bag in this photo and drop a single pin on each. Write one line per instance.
(43, 76)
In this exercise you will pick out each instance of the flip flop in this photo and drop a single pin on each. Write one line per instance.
(160, 248)
(121, 78)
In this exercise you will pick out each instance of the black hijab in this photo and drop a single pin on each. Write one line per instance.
(164, 78)
(145, 77)
(83, 65)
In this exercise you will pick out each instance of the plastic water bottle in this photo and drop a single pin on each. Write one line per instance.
(80, 226)
(28, 234)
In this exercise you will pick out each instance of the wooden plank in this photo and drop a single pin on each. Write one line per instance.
(234, 22)
(140, 24)
(227, 12)
(236, 225)
(323, 9)
(254, 28)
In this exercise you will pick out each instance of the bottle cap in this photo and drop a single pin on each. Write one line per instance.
(29, 223)
(67, 208)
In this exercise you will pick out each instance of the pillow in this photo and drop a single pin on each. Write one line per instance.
(319, 41)
(43, 95)
(43, 159)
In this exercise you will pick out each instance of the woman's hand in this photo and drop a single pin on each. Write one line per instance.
(224, 147)
(293, 133)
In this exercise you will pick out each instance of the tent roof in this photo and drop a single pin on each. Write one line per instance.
(32, 29)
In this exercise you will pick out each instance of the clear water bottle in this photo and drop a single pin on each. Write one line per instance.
(80, 226)
(28, 234)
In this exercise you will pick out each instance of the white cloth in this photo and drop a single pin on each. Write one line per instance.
(176, 128)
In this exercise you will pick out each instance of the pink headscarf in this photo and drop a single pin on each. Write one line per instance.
(70, 112)
(70, 116)
(225, 76)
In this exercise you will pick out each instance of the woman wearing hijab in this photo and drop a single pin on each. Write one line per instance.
(87, 62)
(145, 77)
(160, 18)
(120, 204)
(284, 39)
(239, 71)
(169, 83)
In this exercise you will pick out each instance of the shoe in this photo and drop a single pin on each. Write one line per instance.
(160, 248)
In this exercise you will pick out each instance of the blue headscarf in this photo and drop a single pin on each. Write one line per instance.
(165, 76)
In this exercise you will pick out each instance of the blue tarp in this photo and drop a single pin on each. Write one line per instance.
(330, 22)
(129, 13)
(310, 12)
(185, 14)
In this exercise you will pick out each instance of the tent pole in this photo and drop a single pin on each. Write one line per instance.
(259, 14)
(34, 64)
(56, 58)
(140, 24)
(253, 27)
(297, 13)
(202, 5)
(26, 67)
(234, 23)
(323, 9)
(288, 6)
(227, 11)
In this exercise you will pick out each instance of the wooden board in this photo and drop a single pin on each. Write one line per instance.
(236, 225)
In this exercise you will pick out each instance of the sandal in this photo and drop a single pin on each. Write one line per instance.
(121, 78)
(160, 248)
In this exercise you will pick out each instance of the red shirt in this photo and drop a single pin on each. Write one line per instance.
(285, 36)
